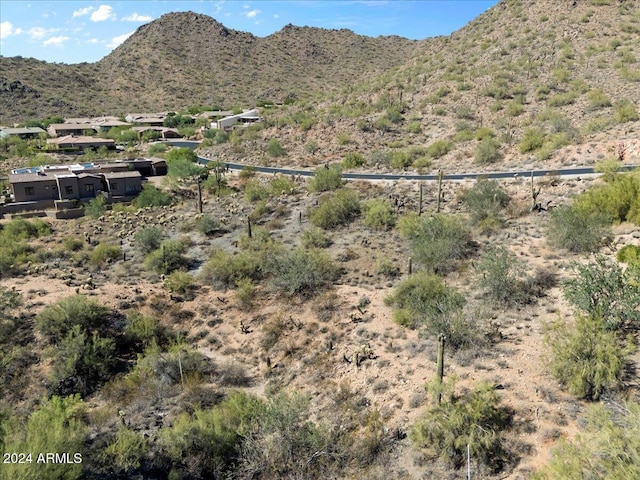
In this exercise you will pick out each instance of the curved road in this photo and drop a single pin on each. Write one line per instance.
(394, 176)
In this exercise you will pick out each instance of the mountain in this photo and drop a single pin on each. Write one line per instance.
(184, 59)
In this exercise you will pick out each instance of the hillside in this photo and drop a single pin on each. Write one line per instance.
(185, 59)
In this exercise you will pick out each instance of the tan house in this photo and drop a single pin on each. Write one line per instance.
(165, 132)
(148, 119)
(31, 187)
(62, 129)
(81, 142)
(23, 132)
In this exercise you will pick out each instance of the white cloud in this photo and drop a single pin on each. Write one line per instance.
(38, 33)
(137, 18)
(93, 40)
(104, 12)
(82, 11)
(6, 30)
(252, 13)
(55, 41)
(275, 15)
(115, 41)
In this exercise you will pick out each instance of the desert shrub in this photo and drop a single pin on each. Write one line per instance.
(20, 229)
(475, 419)
(96, 207)
(514, 109)
(144, 330)
(421, 299)
(400, 160)
(216, 136)
(245, 292)
(614, 429)
(301, 272)
(56, 320)
(182, 168)
(254, 191)
(353, 160)
(157, 148)
(169, 256)
(439, 148)
(340, 209)
(487, 151)
(81, 361)
(502, 277)
(72, 244)
(325, 179)
(248, 171)
(126, 451)
(281, 185)
(619, 198)
(604, 289)
(437, 242)
(206, 443)
(151, 196)
(532, 139)
(275, 148)
(577, 229)
(315, 238)
(585, 357)
(148, 239)
(103, 253)
(625, 111)
(180, 282)
(379, 215)
(56, 426)
(562, 99)
(609, 168)
(225, 270)
(174, 366)
(208, 225)
(629, 254)
(485, 200)
(182, 153)
(597, 124)
(598, 99)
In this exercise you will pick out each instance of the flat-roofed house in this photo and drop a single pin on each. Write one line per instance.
(226, 123)
(32, 187)
(123, 184)
(89, 184)
(22, 132)
(148, 119)
(62, 129)
(165, 132)
(81, 142)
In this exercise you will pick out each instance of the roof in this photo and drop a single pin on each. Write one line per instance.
(70, 126)
(30, 177)
(22, 131)
(130, 174)
(108, 123)
(81, 140)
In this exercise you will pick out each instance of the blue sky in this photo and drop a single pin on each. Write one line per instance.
(87, 30)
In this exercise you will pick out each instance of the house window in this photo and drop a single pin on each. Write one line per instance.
(88, 187)
(29, 191)
(114, 186)
(68, 190)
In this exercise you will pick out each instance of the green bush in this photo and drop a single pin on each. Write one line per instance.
(532, 139)
(144, 330)
(386, 267)
(315, 238)
(400, 160)
(254, 191)
(629, 254)
(169, 256)
(82, 361)
(353, 160)
(562, 99)
(208, 225)
(301, 272)
(96, 207)
(245, 293)
(151, 196)
(437, 242)
(157, 148)
(325, 179)
(20, 229)
(379, 215)
(503, 277)
(274, 148)
(598, 99)
(625, 111)
(609, 168)
(225, 270)
(606, 290)
(281, 185)
(57, 426)
(148, 239)
(180, 282)
(487, 151)
(485, 200)
(422, 299)
(619, 198)
(182, 153)
(57, 320)
(103, 253)
(72, 244)
(614, 429)
(439, 148)
(577, 229)
(474, 419)
(126, 451)
(340, 209)
(585, 357)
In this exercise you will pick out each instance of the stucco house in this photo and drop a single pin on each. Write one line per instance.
(22, 132)
(81, 142)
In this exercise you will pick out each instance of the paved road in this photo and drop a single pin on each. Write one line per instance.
(392, 176)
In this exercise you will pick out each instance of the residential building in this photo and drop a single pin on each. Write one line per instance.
(244, 118)
(81, 142)
(22, 132)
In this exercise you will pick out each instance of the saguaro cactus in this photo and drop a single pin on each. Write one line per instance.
(439, 191)
(440, 368)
